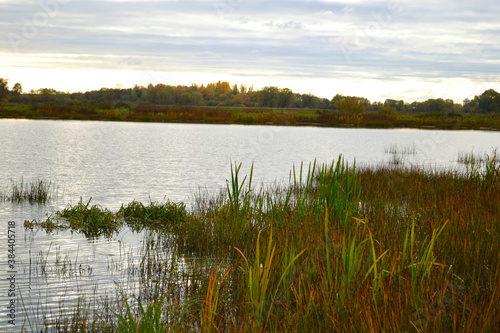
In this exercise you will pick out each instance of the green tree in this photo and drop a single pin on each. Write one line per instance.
(4, 88)
(470, 105)
(310, 101)
(489, 101)
(268, 96)
(398, 105)
(335, 99)
(284, 98)
(17, 89)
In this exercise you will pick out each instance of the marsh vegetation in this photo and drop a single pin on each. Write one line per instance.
(36, 191)
(337, 248)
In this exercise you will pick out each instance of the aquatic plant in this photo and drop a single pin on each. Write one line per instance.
(92, 221)
(37, 191)
(155, 215)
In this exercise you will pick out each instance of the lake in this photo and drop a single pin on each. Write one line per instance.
(116, 162)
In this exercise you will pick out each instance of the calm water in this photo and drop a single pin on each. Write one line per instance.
(115, 163)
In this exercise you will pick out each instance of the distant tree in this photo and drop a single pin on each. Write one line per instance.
(335, 99)
(17, 89)
(324, 103)
(364, 101)
(470, 106)
(350, 104)
(377, 106)
(398, 105)
(489, 101)
(310, 101)
(4, 88)
(220, 87)
(186, 99)
(47, 94)
(458, 108)
(138, 93)
(268, 96)
(235, 89)
(436, 105)
(284, 98)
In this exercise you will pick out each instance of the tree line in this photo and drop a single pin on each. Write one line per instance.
(222, 93)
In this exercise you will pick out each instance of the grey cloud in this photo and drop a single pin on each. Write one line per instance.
(292, 38)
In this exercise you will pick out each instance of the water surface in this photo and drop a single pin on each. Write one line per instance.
(116, 162)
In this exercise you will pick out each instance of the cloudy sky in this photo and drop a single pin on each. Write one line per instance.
(411, 50)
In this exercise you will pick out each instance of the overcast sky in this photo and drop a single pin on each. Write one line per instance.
(411, 50)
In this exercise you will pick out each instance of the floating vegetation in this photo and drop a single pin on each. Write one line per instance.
(34, 192)
(156, 215)
(94, 221)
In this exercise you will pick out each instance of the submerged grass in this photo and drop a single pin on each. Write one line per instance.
(338, 249)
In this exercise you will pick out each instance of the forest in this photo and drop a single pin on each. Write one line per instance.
(223, 94)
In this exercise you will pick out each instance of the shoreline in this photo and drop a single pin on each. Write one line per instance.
(260, 116)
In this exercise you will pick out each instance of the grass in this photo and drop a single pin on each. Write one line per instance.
(248, 116)
(37, 191)
(153, 216)
(485, 167)
(94, 221)
(338, 248)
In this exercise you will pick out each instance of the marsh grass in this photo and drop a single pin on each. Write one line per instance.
(37, 191)
(485, 166)
(246, 115)
(399, 155)
(92, 221)
(338, 248)
(155, 216)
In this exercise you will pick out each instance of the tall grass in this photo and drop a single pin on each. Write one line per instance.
(338, 248)
(486, 166)
(36, 191)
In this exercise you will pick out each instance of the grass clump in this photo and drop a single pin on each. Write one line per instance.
(92, 221)
(155, 215)
(36, 191)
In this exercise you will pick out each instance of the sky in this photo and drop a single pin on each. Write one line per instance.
(410, 50)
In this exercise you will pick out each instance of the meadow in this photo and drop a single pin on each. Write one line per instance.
(336, 249)
(249, 115)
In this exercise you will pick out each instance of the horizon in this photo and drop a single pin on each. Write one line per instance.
(373, 49)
